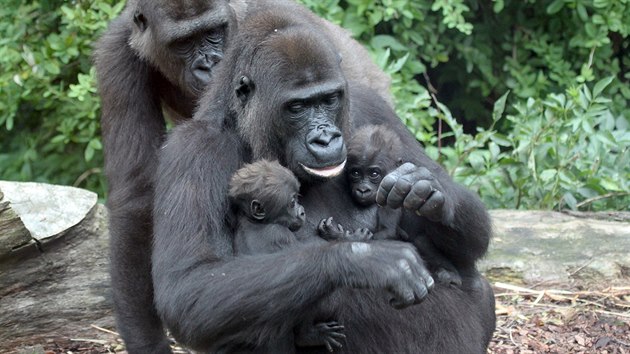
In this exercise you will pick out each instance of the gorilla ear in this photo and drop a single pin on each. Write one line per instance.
(140, 20)
(257, 210)
(244, 88)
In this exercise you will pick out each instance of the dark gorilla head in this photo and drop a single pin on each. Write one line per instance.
(373, 152)
(183, 39)
(287, 95)
(266, 192)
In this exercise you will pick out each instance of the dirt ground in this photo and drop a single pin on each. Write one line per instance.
(529, 320)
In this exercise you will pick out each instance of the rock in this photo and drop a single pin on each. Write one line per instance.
(46, 210)
(536, 246)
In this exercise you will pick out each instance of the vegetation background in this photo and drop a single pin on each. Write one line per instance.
(523, 101)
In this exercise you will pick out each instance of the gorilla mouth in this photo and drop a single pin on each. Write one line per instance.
(326, 172)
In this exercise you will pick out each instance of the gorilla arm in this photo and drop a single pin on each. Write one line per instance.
(132, 129)
(207, 297)
(453, 217)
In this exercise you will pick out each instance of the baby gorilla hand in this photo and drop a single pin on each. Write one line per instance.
(414, 188)
(390, 265)
(331, 231)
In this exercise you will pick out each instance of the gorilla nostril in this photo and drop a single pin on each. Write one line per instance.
(321, 139)
(214, 58)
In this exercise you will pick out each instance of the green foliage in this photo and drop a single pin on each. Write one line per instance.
(561, 145)
(563, 151)
(49, 108)
(558, 140)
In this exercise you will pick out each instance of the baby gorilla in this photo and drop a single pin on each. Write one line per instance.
(373, 152)
(264, 196)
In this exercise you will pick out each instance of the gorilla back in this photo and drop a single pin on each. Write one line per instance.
(281, 94)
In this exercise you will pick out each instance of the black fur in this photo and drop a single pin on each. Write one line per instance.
(264, 195)
(373, 152)
(211, 299)
(153, 62)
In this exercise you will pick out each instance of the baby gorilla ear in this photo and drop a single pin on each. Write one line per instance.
(257, 210)
(244, 88)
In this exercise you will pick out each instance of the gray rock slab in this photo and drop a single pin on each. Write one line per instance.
(537, 246)
(48, 210)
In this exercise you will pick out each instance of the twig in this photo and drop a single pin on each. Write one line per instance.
(97, 341)
(85, 175)
(581, 267)
(104, 330)
(599, 197)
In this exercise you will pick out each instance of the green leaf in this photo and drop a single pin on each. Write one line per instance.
(547, 175)
(601, 85)
(476, 161)
(555, 6)
(570, 200)
(499, 107)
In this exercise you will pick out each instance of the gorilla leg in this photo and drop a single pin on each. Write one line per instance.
(130, 254)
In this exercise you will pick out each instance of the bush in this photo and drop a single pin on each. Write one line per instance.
(49, 110)
(559, 139)
(565, 140)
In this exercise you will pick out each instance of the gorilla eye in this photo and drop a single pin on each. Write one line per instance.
(183, 46)
(296, 107)
(356, 174)
(331, 99)
(216, 36)
(375, 174)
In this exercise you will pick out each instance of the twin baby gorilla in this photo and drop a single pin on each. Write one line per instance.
(264, 195)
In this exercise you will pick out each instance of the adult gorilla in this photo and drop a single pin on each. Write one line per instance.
(156, 57)
(282, 94)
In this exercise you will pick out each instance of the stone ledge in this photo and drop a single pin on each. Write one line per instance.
(536, 246)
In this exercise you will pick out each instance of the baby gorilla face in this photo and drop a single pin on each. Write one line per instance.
(293, 216)
(364, 182)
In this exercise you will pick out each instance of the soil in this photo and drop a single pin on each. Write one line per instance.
(529, 320)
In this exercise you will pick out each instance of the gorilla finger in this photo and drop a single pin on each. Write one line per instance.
(328, 346)
(419, 194)
(398, 193)
(332, 342)
(403, 297)
(406, 168)
(420, 291)
(337, 335)
(432, 209)
(385, 188)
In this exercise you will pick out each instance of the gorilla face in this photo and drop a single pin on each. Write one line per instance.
(183, 42)
(294, 104)
(364, 181)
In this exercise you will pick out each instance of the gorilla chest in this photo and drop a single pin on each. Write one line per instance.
(333, 199)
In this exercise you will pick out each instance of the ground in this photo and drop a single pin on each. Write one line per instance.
(561, 321)
(529, 320)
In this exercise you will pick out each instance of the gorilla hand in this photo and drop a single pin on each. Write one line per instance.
(390, 265)
(329, 230)
(415, 188)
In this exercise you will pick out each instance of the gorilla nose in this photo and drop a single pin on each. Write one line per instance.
(201, 68)
(325, 143)
(363, 190)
